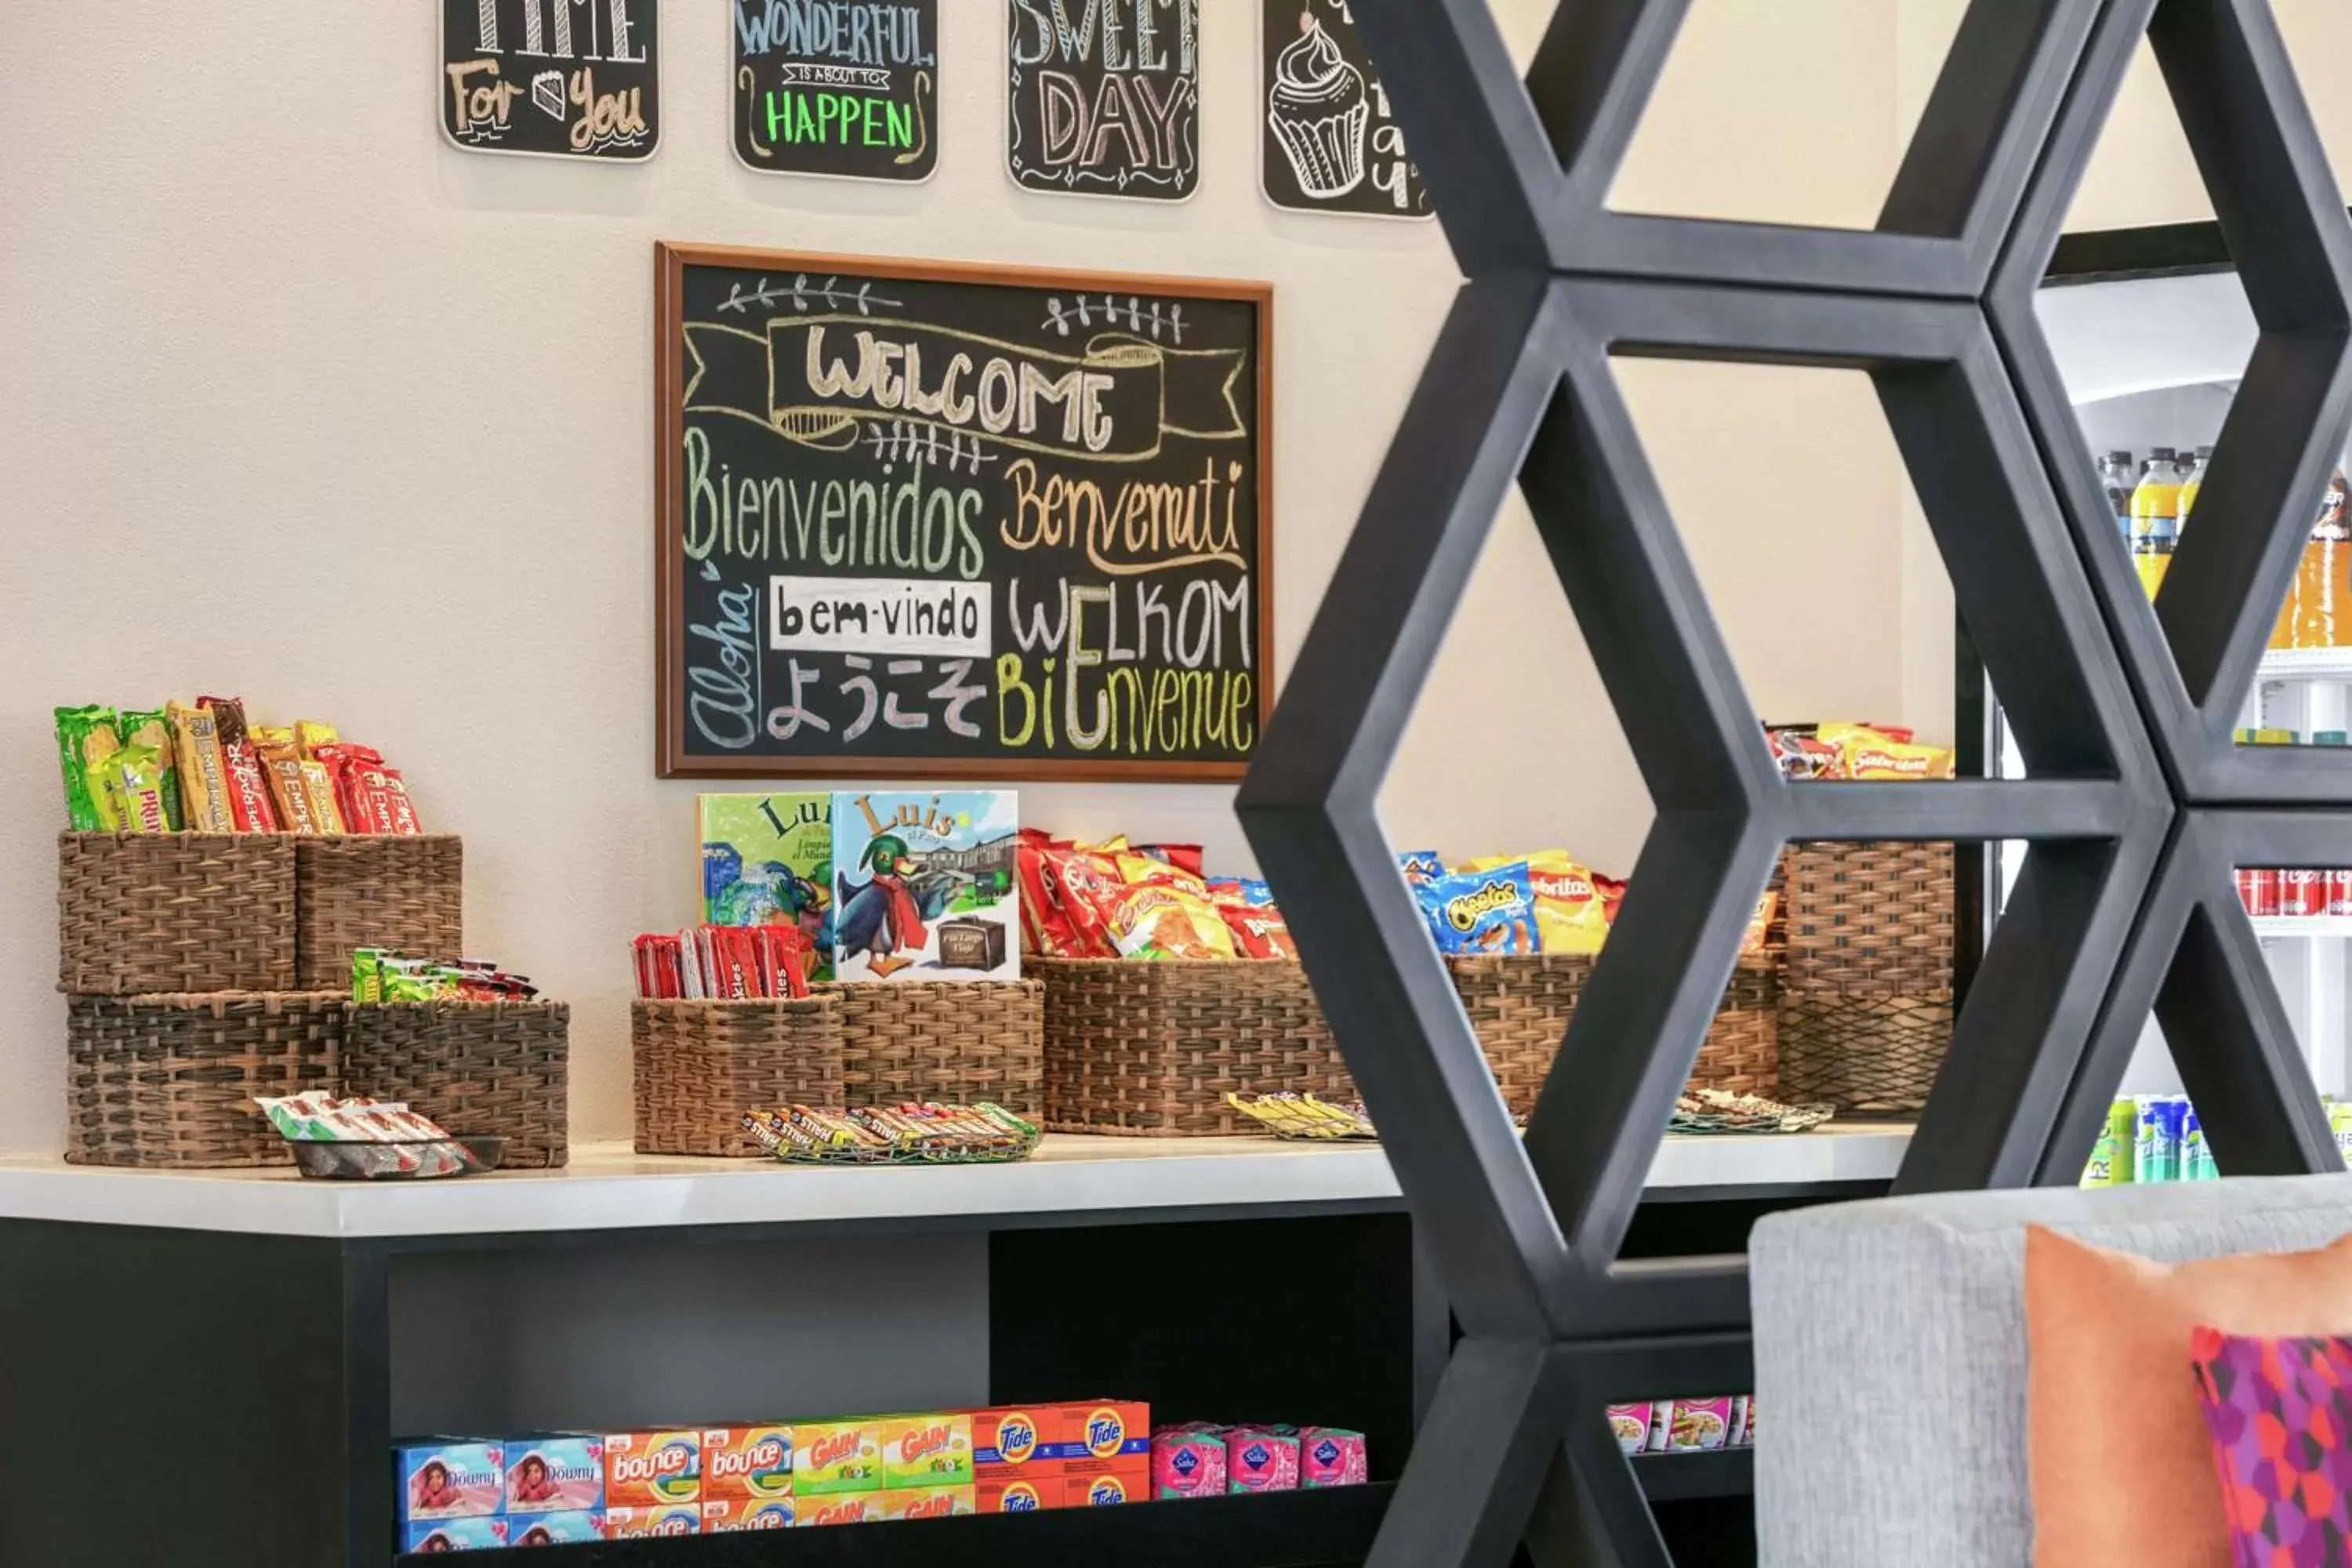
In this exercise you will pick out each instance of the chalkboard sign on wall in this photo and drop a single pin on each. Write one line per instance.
(1329, 138)
(570, 79)
(851, 91)
(1103, 96)
(927, 519)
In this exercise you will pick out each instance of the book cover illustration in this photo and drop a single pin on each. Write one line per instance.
(767, 859)
(925, 885)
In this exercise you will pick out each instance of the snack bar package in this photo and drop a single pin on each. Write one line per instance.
(76, 727)
(450, 1477)
(1480, 912)
(203, 768)
(153, 731)
(250, 810)
(558, 1473)
(130, 785)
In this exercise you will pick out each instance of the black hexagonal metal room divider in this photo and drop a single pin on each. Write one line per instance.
(2137, 801)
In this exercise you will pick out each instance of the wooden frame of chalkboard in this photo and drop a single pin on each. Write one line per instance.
(840, 276)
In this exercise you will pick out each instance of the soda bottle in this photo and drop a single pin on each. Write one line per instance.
(2190, 488)
(2116, 475)
(2155, 518)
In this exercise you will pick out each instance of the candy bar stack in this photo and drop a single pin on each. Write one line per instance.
(724, 964)
(205, 769)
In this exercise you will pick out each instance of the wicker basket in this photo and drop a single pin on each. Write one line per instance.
(1151, 1050)
(394, 892)
(1521, 1005)
(1866, 982)
(169, 1081)
(478, 1069)
(950, 1041)
(171, 913)
(701, 1065)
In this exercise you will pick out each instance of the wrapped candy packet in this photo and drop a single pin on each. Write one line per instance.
(75, 727)
(203, 769)
(153, 730)
(132, 783)
(100, 747)
(250, 810)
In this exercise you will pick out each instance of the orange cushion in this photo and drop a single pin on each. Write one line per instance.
(2122, 1468)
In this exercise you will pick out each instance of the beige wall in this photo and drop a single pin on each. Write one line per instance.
(308, 407)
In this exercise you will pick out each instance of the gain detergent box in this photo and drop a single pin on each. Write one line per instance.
(767, 859)
(925, 885)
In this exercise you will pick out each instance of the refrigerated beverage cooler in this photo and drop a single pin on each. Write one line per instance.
(2151, 331)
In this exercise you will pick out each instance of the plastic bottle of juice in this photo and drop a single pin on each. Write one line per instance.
(2117, 474)
(2320, 606)
(2190, 488)
(2155, 518)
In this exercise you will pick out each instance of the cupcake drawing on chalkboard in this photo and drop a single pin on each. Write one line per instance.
(1318, 109)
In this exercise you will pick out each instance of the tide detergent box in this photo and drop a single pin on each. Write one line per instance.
(926, 886)
(450, 1477)
(1131, 1484)
(555, 1530)
(635, 1524)
(767, 859)
(926, 1451)
(1007, 1444)
(734, 1518)
(651, 1469)
(747, 1464)
(930, 1503)
(1101, 1437)
(834, 1458)
(1019, 1494)
(845, 1508)
(555, 1474)
(455, 1535)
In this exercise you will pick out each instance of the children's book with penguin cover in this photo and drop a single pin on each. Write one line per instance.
(926, 886)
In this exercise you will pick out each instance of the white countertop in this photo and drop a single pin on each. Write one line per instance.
(609, 1188)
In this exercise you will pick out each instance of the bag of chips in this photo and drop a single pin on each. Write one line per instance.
(1480, 912)
(1885, 752)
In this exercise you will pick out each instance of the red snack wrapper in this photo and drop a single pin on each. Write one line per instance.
(1258, 933)
(1185, 858)
(250, 810)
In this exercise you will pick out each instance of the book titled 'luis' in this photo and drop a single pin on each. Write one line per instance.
(926, 886)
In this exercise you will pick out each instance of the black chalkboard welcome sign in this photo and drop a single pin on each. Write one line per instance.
(846, 87)
(927, 519)
(572, 79)
(1103, 96)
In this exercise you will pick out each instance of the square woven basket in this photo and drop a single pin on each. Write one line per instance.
(955, 1042)
(1866, 982)
(172, 913)
(700, 1065)
(169, 1081)
(478, 1069)
(1150, 1050)
(404, 892)
(1519, 1006)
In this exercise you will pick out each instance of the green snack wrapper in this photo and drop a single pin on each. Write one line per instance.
(367, 974)
(153, 729)
(100, 747)
(135, 780)
(76, 726)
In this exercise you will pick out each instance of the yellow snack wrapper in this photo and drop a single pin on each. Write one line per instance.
(1570, 914)
(98, 753)
(1157, 920)
(309, 735)
(1867, 753)
(203, 771)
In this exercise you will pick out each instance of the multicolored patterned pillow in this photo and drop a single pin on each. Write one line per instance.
(2280, 1413)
